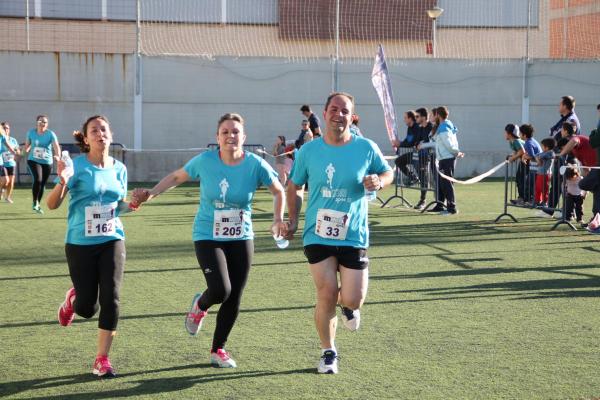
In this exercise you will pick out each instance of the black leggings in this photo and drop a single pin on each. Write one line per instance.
(225, 266)
(39, 174)
(97, 273)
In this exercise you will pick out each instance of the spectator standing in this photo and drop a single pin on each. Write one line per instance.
(511, 133)
(313, 121)
(575, 196)
(580, 147)
(532, 149)
(544, 172)
(425, 127)
(410, 141)
(446, 151)
(283, 164)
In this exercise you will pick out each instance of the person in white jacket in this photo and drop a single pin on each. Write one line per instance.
(446, 151)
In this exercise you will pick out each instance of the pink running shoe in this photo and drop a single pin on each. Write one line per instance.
(194, 318)
(66, 313)
(103, 368)
(221, 359)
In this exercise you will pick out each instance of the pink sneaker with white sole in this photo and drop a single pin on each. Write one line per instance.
(66, 313)
(221, 359)
(103, 368)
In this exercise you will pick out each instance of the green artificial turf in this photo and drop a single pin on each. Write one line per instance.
(458, 307)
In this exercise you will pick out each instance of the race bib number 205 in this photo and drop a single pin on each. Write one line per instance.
(228, 224)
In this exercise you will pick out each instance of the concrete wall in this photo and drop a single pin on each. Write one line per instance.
(183, 98)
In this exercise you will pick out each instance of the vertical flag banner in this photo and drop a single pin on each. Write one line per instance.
(383, 87)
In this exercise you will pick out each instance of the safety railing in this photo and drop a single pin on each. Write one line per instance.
(415, 170)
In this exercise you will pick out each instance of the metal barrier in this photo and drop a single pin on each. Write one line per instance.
(520, 190)
(117, 151)
(415, 170)
(257, 149)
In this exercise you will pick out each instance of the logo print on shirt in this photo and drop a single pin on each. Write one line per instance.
(224, 185)
(330, 170)
(102, 186)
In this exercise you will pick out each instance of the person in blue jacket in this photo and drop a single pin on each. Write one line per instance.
(446, 152)
(43, 148)
(340, 169)
(222, 231)
(95, 247)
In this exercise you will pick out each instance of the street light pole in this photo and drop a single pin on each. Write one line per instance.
(434, 13)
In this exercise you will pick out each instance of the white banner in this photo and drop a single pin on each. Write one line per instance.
(383, 87)
(476, 178)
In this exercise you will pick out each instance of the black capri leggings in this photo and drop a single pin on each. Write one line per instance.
(39, 174)
(225, 266)
(97, 273)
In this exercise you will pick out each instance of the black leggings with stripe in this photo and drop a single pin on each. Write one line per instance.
(39, 177)
(225, 266)
(97, 272)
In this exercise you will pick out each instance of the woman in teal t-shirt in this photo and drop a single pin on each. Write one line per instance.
(222, 233)
(9, 149)
(43, 148)
(95, 247)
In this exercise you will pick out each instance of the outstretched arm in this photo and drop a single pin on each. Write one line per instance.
(170, 181)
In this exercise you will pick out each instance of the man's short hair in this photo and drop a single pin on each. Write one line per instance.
(527, 130)
(305, 108)
(442, 111)
(569, 102)
(411, 115)
(422, 112)
(549, 142)
(598, 107)
(334, 94)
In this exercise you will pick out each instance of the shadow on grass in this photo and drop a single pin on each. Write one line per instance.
(146, 316)
(146, 386)
(492, 271)
(537, 289)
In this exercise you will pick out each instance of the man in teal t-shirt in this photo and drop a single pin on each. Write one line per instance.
(340, 168)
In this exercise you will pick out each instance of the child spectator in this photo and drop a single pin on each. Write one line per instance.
(575, 196)
(532, 149)
(511, 134)
(544, 172)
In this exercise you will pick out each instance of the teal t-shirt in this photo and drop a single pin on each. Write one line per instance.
(6, 156)
(94, 195)
(41, 146)
(517, 145)
(226, 194)
(337, 209)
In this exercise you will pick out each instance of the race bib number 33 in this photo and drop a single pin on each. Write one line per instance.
(332, 224)
(228, 224)
(100, 221)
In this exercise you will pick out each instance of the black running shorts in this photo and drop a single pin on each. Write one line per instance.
(349, 257)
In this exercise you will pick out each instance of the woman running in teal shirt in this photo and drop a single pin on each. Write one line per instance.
(222, 233)
(95, 246)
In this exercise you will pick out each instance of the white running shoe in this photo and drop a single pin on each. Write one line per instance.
(194, 318)
(350, 318)
(557, 215)
(221, 359)
(328, 363)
